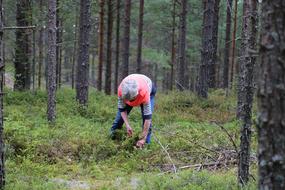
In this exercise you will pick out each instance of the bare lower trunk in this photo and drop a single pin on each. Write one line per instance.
(23, 46)
(51, 113)
(82, 79)
(108, 75)
(173, 45)
(227, 45)
(245, 90)
(182, 48)
(233, 49)
(126, 39)
(41, 46)
(2, 145)
(271, 101)
(117, 46)
(101, 44)
(140, 36)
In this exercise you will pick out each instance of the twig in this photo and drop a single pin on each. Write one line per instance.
(230, 137)
(174, 167)
(206, 164)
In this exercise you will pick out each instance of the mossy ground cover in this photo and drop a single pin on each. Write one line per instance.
(76, 152)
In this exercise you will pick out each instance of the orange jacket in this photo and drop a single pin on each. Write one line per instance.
(143, 96)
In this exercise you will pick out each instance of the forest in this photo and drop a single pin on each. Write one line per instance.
(204, 80)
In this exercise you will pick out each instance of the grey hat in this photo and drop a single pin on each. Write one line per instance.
(129, 89)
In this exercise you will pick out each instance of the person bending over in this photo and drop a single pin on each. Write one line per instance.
(135, 90)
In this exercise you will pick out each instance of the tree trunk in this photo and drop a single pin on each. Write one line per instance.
(101, 44)
(2, 145)
(23, 46)
(271, 101)
(245, 90)
(213, 67)
(74, 49)
(83, 53)
(58, 45)
(227, 45)
(93, 68)
(108, 75)
(182, 47)
(207, 52)
(117, 46)
(40, 44)
(126, 39)
(173, 45)
(34, 59)
(234, 45)
(51, 106)
(140, 36)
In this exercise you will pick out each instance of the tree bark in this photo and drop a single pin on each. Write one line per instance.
(271, 93)
(74, 49)
(101, 44)
(82, 77)
(58, 45)
(108, 75)
(246, 86)
(140, 36)
(227, 45)
(213, 67)
(23, 46)
(118, 25)
(173, 45)
(2, 144)
(207, 52)
(51, 106)
(126, 39)
(41, 44)
(182, 47)
(233, 57)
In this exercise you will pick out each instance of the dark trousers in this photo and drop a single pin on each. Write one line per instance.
(118, 123)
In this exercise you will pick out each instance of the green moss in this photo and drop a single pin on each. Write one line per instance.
(78, 145)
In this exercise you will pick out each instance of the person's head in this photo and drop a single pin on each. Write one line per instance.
(129, 89)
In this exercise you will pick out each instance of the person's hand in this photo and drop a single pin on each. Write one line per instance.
(140, 143)
(129, 131)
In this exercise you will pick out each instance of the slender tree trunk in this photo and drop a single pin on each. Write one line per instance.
(227, 45)
(2, 145)
(34, 59)
(182, 47)
(51, 106)
(58, 45)
(207, 58)
(60, 54)
(40, 44)
(173, 45)
(93, 68)
(101, 44)
(245, 90)
(140, 36)
(117, 46)
(126, 39)
(234, 44)
(271, 101)
(213, 67)
(23, 46)
(108, 75)
(83, 53)
(74, 49)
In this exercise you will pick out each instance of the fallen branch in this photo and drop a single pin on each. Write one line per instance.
(173, 165)
(207, 164)
(230, 137)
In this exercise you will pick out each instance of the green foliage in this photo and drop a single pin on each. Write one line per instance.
(78, 146)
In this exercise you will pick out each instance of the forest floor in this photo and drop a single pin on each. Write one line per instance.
(194, 144)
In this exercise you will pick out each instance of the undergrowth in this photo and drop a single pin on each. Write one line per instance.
(78, 146)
